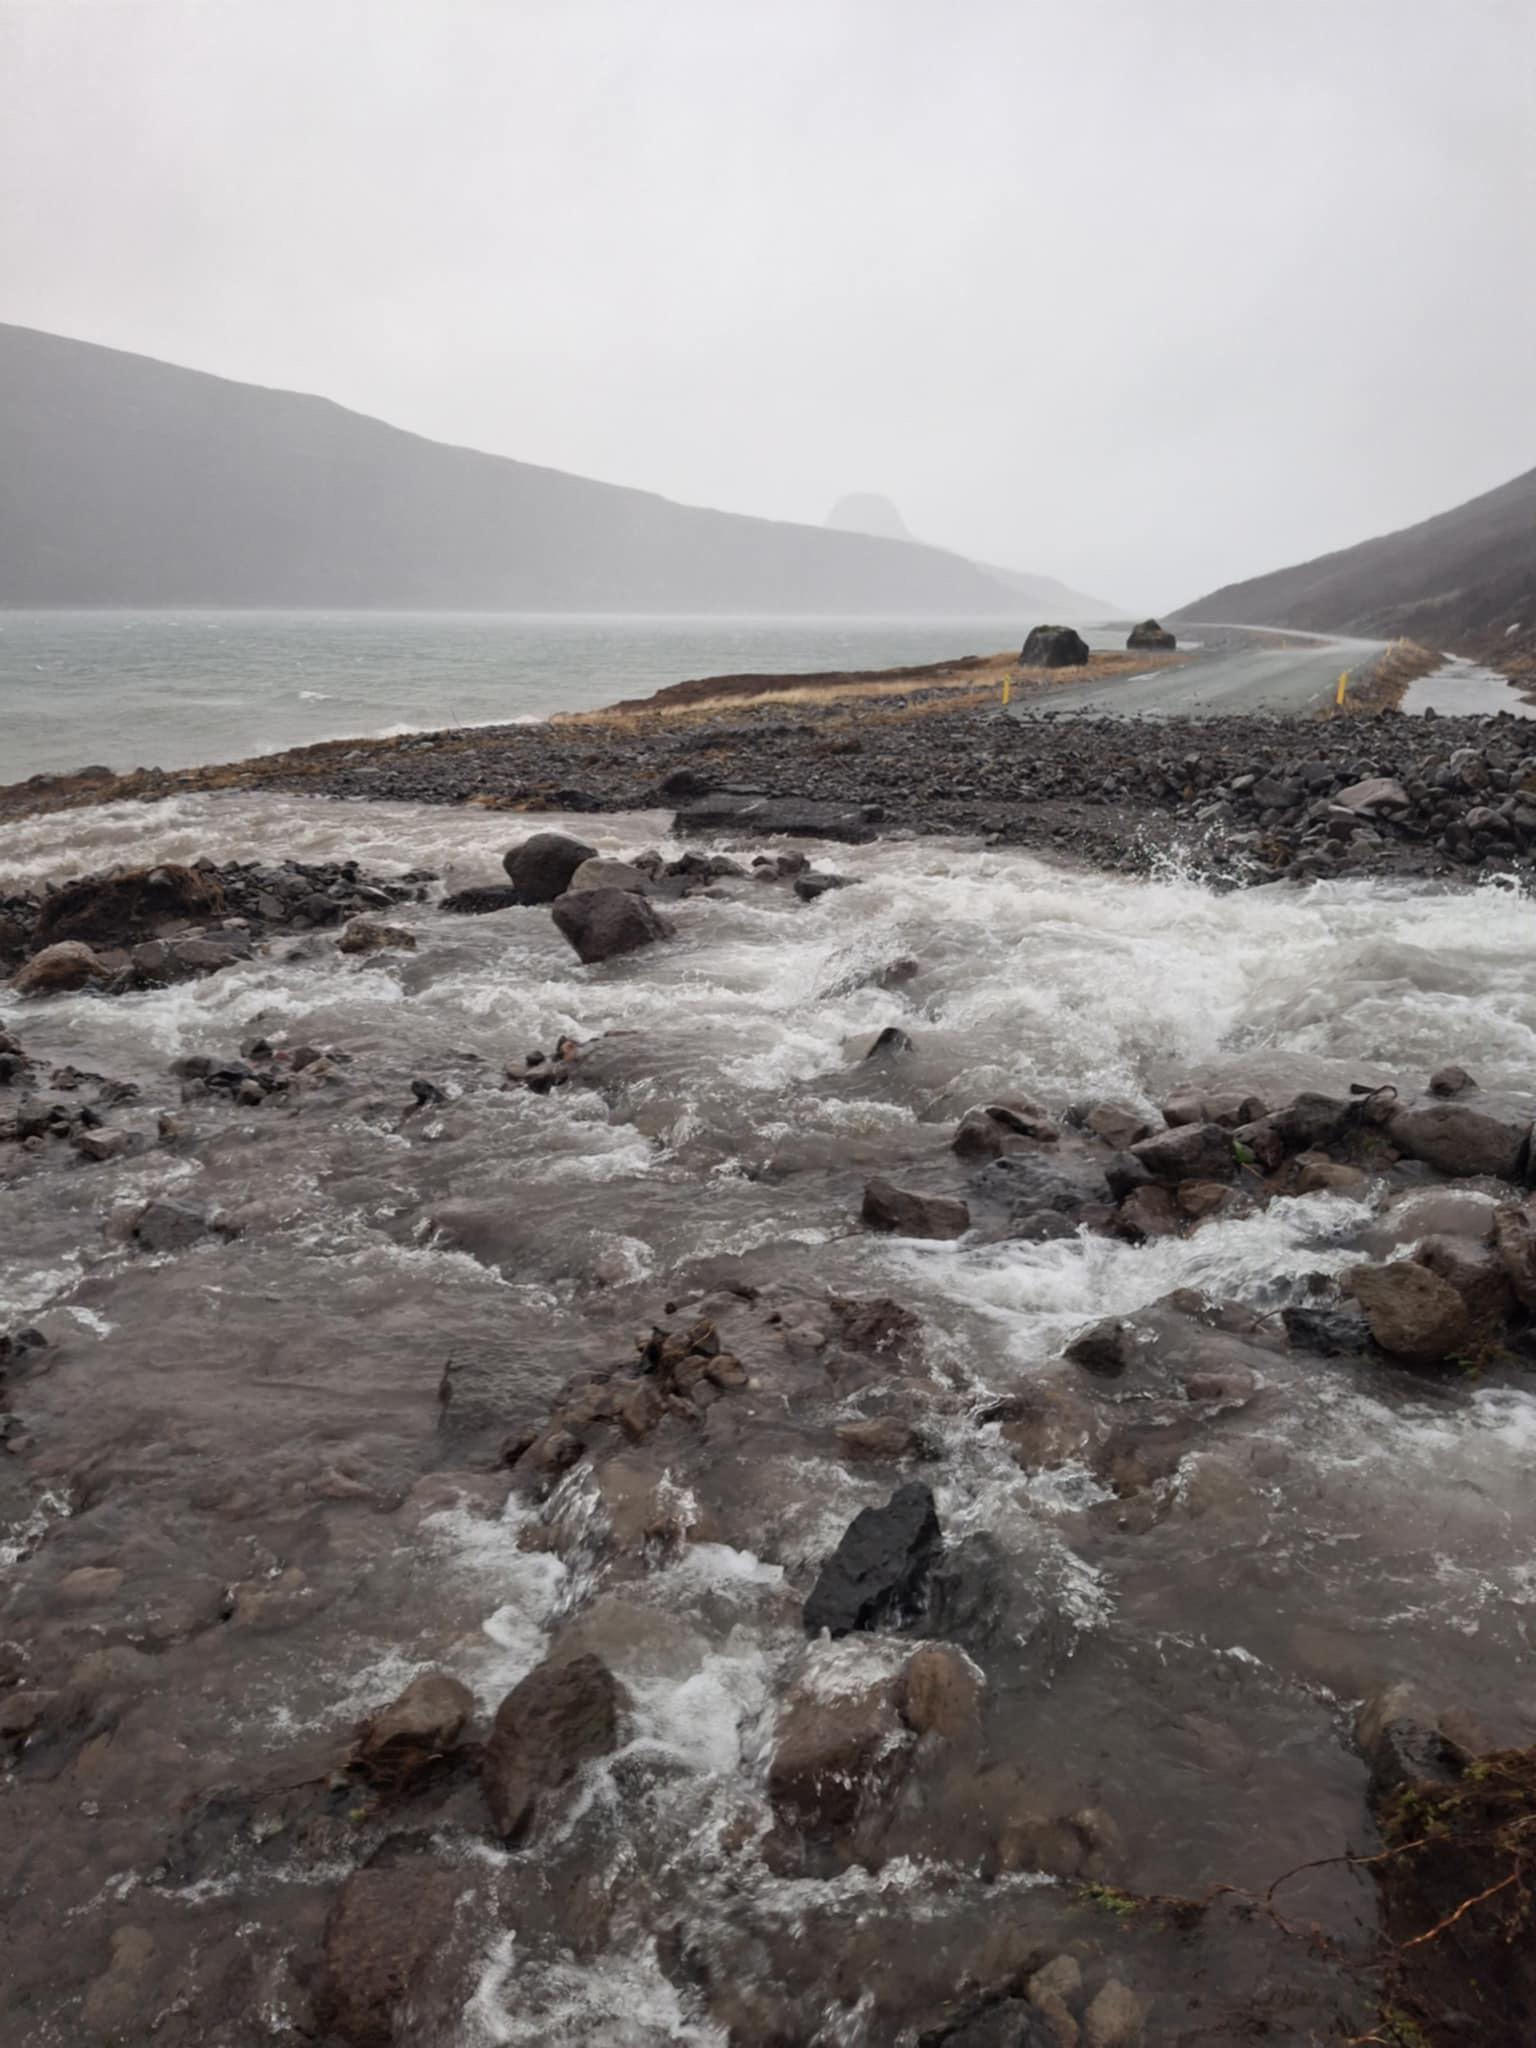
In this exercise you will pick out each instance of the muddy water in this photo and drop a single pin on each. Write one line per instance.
(231, 1532)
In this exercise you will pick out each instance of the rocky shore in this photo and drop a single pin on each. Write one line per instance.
(1242, 800)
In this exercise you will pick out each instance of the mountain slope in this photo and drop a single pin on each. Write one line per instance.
(867, 512)
(1450, 580)
(129, 481)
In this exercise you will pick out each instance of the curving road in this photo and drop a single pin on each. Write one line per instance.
(1235, 669)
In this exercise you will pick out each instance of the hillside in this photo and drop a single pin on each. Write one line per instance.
(1043, 596)
(125, 481)
(1461, 579)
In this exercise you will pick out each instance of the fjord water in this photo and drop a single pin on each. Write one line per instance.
(121, 689)
(244, 1430)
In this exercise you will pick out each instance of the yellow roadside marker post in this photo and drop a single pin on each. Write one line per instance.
(1338, 695)
(1007, 686)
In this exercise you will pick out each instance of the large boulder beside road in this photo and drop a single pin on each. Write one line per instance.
(1149, 634)
(1054, 647)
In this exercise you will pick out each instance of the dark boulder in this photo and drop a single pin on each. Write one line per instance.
(1330, 1332)
(1150, 634)
(540, 869)
(403, 1740)
(559, 1717)
(601, 923)
(852, 824)
(1054, 647)
(163, 1226)
(478, 902)
(809, 887)
(878, 1574)
(1459, 1141)
(887, 1207)
(1188, 1152)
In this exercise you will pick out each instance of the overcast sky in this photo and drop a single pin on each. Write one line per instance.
(1147, 294)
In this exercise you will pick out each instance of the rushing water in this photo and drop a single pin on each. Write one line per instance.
(124, 689)
(243, 1430)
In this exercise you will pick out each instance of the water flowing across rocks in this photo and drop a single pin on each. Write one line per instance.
(502, 1546)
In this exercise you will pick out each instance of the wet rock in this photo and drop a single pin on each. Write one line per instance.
(1010, 2023)
(1330, 1332)
(60, 969)
(1150, 634)
(362, 935)
(166, 1226)
(1053, 647)
(1112, 1121)
(1450, 1080)
(1105, 1348)
(890, 1044)
(1378, 793)
(1397, 1734)
(387, 1926)
(602, 872)
(540, 868)
(908, 1214)
(1115, 2018)
(990, 1132)
(883, 1436)
(852, 824)
(22, 1713)
(940, 1691)
(403, 1740)
(1514, 1242)
(479, 902)
(1476, 1271)
(878, 1575)
(558, 1718)
(114, 908)
(1188, 1152)
(1413, 1313)
(1149, 1212)
(115, 2000)
(877, 1326)
(1317, 1174)
(603, 923)
(837, 1747)
(810, 887)
(1459, 1141)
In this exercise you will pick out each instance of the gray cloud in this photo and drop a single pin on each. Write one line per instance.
(1148, 296)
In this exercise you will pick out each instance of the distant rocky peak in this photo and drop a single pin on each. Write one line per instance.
(868, 512)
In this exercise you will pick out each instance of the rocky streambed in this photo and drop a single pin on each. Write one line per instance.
(845, 1442)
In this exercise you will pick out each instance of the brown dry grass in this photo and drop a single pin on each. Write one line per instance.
(1385, 683)
(964, 686)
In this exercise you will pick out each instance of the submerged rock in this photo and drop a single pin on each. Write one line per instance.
(604, 922)
(404, 1739)
(387, 1926)
(559, 1717)
(362, 935)
(906, 1214)
(878, 1574)
(540, 868)
(834, 1748)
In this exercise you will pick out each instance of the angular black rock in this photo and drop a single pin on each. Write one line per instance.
(878, 1574)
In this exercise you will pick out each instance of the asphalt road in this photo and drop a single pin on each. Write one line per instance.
(1235, 669)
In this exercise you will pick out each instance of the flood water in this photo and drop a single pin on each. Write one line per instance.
(247, 1431)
